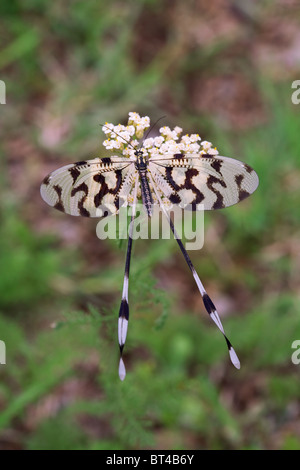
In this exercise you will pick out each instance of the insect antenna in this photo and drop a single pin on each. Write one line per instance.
(152, 127)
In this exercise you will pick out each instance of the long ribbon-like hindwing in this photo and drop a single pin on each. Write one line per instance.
(124, 307)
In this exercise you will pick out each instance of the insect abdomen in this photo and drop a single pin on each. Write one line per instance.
(146, 193)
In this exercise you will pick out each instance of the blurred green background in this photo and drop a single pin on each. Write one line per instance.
(223, 69)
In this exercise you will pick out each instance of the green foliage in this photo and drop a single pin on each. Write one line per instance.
(58, 433)
(24, 282)
(84, 65)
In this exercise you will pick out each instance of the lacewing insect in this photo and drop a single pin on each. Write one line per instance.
(160, 170)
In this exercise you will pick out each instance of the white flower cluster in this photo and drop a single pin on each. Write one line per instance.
(125, 139)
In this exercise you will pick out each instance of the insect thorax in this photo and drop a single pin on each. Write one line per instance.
(141, 162)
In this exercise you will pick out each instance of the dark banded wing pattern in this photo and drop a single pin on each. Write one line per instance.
(87, 188)
(216, 182)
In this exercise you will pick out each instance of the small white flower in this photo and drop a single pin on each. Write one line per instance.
(123, 137)
(178, 130)
(185, 139)
(109, 144)
(148, 143)
(166, 132)
(145, 122)
(135, 143)
(139, 132)
(154, 152)
(158, 141)
(107, 128)
(169, 142)
(164, 148)
(206, 145)
(193, 148)
(133, 118)
(130, 130)
(195, 138)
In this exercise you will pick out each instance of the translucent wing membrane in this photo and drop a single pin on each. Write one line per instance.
(214, 182)
(86, 188)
